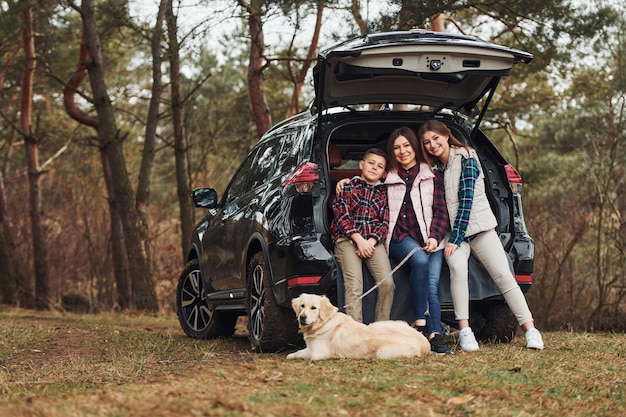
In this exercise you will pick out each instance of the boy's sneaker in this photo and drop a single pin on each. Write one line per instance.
(438, 345)
(467, 340)
(533, 339)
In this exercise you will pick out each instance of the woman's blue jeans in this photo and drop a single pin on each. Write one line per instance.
(425, 270)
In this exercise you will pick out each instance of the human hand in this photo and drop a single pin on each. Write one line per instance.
(431, 245)
(340, 184)
(449, 250)
(365, 248)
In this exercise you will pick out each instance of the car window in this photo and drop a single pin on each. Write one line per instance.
(264, 166)
(292, 149)
(239, 183)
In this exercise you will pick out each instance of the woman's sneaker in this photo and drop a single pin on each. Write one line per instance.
(438, 345)
(533, 339)
(420, 329)
(467, 340)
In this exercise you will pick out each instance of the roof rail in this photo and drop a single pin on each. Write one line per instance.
(288, 121)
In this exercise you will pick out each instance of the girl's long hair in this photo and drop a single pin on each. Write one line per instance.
(409, 134)
(441, 128)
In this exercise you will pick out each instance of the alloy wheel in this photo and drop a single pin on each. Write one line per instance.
(257, 300)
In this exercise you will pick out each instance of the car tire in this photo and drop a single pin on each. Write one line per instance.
(196, 318)
(271, 327)
(493, 322)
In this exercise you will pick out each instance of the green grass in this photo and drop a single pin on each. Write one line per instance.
(54, 364)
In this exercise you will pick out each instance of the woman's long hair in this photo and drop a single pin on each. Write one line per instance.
(409, 134)
(441, 128)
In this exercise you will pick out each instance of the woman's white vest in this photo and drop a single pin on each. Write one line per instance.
(481, 217)
(421, 195)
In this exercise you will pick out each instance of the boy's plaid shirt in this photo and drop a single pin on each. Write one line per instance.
(361, 208)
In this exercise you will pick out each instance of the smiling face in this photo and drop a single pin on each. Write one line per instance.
(403, 152)
(372, 167)
(437, 145)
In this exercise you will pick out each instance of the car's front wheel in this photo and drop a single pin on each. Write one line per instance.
(197, 319)
(270, 326)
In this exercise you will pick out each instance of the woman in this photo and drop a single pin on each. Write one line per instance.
(473, 231)
(417, 219)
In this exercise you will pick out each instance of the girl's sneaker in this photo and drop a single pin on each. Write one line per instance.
(533, 339)
(467, 340)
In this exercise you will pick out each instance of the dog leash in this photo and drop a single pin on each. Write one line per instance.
(402, 262)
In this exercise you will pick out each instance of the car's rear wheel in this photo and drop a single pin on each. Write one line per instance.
(270, 326)
(493, 322)
(197, 319)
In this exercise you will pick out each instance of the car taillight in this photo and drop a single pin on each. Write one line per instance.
(514, 178)
(304, 280)
(303, 178)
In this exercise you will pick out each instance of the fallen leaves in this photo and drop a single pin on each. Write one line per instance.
(454, 401)
(276, 376)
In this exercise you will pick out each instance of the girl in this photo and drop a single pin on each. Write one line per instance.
(473, 231)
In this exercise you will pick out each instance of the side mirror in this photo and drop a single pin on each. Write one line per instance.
(204, 197)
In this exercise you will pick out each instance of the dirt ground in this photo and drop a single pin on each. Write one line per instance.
(56, 365)
(79, 365)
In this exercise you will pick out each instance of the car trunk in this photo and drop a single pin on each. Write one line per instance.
(417, 67)
(353, 135)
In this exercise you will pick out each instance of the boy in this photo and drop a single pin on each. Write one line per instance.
(360, 226)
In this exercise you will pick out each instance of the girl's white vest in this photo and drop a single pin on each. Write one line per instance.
(421, 195)
(481, 217)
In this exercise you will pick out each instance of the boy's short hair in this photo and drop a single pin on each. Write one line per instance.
(376, 151)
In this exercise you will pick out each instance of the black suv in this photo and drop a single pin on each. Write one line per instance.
(267, 239)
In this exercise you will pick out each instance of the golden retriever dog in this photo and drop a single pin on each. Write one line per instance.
(331, 334)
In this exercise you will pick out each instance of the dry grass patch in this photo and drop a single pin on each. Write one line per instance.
(123, 365)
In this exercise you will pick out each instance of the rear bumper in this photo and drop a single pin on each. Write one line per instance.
(308, 267)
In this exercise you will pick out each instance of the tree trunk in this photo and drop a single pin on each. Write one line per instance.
(11, 277)
(42, 280)
(298, 80)
(437, 22)
(355, 9)
(142, 198)
(183, 178)
(260, 110)
(8, 283)
(118, 246)
(142, 285)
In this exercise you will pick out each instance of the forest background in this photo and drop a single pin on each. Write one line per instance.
(112, 111)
